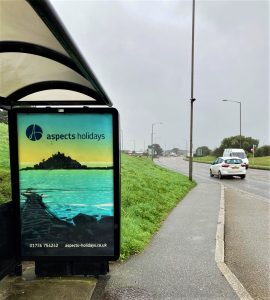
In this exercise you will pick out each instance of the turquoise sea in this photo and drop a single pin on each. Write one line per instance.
(70, 192)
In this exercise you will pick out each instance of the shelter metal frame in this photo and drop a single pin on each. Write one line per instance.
(74, 61)
(13, 101)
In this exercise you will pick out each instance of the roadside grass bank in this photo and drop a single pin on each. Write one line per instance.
(5, 188)
(204, 159)
(4, 147)
(262, 163)
(149, 193)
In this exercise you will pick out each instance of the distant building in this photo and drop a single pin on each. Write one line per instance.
(175, 152)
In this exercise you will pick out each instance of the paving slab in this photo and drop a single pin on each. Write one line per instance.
(30, 287)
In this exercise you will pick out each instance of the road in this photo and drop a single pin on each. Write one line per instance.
(247, 226)
(247, 241)
(256, 181)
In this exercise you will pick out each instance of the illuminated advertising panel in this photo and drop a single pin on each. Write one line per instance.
(68, 182)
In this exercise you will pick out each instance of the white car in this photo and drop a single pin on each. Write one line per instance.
(228, 167)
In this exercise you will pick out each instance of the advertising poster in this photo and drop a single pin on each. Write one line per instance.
(66, 184)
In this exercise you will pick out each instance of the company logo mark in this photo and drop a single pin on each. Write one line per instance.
(34, 132)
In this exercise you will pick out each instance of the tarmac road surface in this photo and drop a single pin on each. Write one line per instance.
(247, 224)
(247, 241)
(256, 181)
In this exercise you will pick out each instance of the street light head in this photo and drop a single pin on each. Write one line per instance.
(231, 101)
(158, 123)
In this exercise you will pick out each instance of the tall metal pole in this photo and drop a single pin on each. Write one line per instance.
(239, 102)
(240, 126)
(152, 150)
(192, 99)
(152, 138)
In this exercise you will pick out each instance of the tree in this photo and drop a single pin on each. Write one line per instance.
(217, 152)
(156, 149)
(3, 116)
(262, 151)
(177, 151)
(234, 141)
(202, 151)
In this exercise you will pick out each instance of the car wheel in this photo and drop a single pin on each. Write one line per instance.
(220, 175)
(211, 174)
(243, 176)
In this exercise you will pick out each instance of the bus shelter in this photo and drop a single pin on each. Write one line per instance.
(61, 126)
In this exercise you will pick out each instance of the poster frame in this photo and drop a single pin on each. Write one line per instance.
(16, 186)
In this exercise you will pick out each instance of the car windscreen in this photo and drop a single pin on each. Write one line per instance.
(239, 154)
(233, 161)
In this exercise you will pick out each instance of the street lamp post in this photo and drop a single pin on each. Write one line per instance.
(152, 138)
(192, 99)
(239, 102)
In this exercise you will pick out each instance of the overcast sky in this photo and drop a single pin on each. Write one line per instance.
(141, 53)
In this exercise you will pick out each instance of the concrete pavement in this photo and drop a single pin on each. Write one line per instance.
(180, 262)
(30, 287)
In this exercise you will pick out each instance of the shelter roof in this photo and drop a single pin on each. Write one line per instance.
(40, 64)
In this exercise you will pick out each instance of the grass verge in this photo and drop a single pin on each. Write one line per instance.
(149, 193)
(4, 147)
(204, 159)
(262, 163)
(5, 187)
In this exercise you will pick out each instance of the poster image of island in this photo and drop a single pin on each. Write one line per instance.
(66, 184)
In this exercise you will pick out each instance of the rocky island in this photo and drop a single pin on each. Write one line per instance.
(60, 161)
(40, 226)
